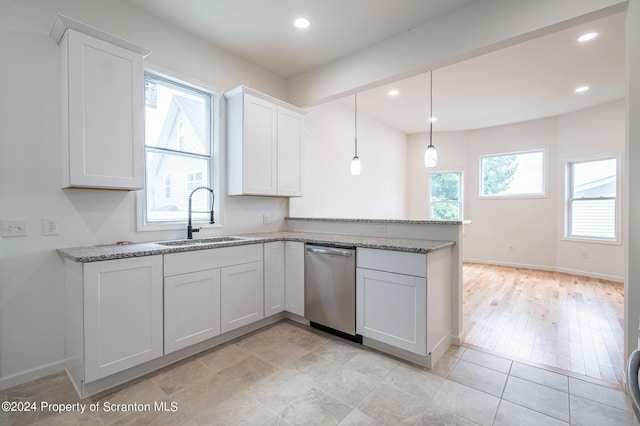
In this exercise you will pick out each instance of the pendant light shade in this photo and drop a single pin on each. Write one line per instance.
(356, 167)
(431, 155)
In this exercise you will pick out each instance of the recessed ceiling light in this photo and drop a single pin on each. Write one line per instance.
(582, 89)
(393, 92)
(587, 37)
(301, 23)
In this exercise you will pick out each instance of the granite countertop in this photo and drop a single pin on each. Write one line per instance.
(110, 252)
(401, 221)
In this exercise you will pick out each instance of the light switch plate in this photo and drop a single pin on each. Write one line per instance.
(14, 228)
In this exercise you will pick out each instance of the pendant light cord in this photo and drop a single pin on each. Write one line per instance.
(356, 120)
(431, 109)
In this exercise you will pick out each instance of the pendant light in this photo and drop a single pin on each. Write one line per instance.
(431, 155)
(355, 162)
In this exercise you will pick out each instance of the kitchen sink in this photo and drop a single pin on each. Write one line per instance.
(201, 241)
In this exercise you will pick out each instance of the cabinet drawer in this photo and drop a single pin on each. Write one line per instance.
(201, 260)
(393, 261)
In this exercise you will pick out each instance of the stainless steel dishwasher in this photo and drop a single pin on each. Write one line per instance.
(330, 289)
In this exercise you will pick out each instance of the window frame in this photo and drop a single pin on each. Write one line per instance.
(460, 195)
(617, 240)
(215, 172)
(545, 175)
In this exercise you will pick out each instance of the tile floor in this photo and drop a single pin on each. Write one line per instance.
(288, 374)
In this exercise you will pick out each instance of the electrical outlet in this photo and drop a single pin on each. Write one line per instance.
(381, 229)
(266, 218)
(512, 249)
(14, 228)
(584, 255)
(50, 226)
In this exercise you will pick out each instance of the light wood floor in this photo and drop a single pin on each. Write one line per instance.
(558, 320)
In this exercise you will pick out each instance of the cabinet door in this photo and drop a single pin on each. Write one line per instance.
(294, 277)
(273, 278)
(191, 308)
(289, 152)
(122, 314)
(241, 295)
(391, 308)
(260, 146)
(105, 114)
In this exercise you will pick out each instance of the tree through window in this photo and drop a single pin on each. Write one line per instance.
(513, 174)
(445, 199)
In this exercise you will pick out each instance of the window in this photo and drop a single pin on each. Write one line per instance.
(178, 150)
(516, 174)
(445, 200)
(592, 202)
(167, 187)
(194, 180)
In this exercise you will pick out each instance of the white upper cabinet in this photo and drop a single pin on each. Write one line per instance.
(289, 152)
(102, 107)
(264, 145)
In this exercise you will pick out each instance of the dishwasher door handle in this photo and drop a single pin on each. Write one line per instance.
(330, 251)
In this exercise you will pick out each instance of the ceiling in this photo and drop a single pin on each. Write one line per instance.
(262, 31)
(528, 81)
(531, 80)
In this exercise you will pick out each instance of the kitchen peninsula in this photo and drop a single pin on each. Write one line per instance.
(233, 285)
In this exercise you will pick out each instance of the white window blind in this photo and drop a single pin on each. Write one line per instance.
(592, 201)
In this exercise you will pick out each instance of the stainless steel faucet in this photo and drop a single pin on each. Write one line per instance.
(190, 229)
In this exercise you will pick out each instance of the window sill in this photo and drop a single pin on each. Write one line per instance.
(591, 241)
(175, 226)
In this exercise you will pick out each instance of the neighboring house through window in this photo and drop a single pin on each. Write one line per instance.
(194, 180)
(445, 195)
(178, 150)
(167, 187)
(592, 209)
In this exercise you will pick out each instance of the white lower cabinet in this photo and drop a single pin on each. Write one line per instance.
(404, 300)
(274, 278)
(191, 308)
(391, 309)
(241, 295)
(294, 277)
(114, 316)
(212, 291)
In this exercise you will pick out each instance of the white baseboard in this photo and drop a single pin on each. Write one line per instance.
(31, 374)
(548, 268)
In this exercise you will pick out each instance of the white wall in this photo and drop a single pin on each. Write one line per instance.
(528, 225)
(31, 278)
(595, 132)
(632, 162)
(330, 189)
(532, 226)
